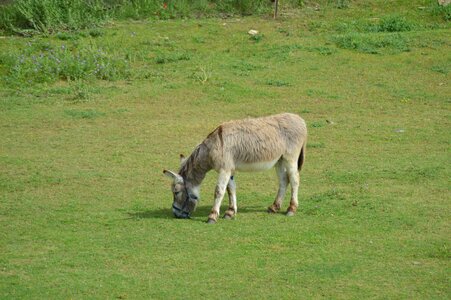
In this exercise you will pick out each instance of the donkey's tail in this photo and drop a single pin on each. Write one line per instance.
(301, 158)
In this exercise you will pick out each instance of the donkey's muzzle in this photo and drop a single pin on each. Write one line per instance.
(179, 213)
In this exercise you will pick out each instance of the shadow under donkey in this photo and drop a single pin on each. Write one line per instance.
(202, 211)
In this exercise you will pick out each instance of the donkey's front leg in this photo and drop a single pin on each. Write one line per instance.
(223, 180)
(231, 191)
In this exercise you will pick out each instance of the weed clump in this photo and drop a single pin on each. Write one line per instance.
(443, 69)
(65, 36)
(95, 32)
(84, 114)
(256, 37)
(342, 4)
(81, 91)
(391, 23)
(444, 11)
(372, 43)
(42, 62)
(277, 82)
(323, 50)
(164, 58)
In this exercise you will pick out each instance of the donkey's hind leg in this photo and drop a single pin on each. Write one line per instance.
(283, 182)
(293, 175)
(231, 191)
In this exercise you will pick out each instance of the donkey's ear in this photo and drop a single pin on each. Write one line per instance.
(182, 158)
(173, 175)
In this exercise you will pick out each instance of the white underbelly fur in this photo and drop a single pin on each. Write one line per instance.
(253, 167)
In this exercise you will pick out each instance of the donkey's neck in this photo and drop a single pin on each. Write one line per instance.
(196, 166)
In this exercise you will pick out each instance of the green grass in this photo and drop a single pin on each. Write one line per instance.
(85, 208)
(28, 17)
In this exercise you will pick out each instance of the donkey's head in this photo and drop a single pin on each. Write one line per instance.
(185, 198)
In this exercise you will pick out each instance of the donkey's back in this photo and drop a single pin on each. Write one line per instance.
(257, 144)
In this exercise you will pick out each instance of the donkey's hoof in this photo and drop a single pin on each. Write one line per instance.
(272, 210)
(211, 221)
(229, 214)
(289, 213)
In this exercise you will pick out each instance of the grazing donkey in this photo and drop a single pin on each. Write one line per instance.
(242, 145)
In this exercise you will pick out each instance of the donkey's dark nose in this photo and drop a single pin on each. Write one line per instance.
(182, 215)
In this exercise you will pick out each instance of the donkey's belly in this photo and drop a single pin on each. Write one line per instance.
(254, 167)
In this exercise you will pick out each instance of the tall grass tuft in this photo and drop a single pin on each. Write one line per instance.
(42, 62)
(47, 16)
(342, 4)
(444, 11)
(244, 7)
(391, 23)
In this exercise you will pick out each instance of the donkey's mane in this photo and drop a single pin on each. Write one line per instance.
(195, 167)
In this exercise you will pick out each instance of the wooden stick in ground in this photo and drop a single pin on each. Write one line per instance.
(276, 7)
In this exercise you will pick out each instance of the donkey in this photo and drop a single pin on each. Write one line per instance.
(242, 145)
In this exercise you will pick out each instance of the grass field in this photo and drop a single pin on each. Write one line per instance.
(89, 119)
